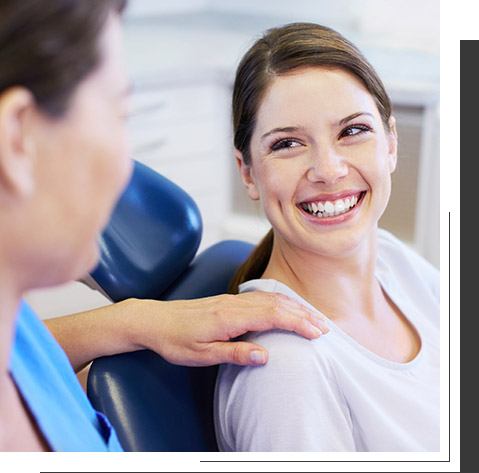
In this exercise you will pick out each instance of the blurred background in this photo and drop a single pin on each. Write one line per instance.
(182, 57)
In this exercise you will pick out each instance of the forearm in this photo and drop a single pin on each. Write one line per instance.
(100, 332)
(193, 332)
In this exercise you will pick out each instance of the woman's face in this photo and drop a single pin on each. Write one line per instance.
(83, 164)
(321, 160)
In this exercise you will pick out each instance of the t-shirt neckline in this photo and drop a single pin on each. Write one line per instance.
(273, 285)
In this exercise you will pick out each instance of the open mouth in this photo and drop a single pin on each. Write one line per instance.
(324, 209)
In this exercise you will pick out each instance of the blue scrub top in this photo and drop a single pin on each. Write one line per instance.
(49, 386)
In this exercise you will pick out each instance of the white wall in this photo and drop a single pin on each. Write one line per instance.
(392, 24)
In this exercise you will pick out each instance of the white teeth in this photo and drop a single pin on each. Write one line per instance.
(339, 207)
(330, 209)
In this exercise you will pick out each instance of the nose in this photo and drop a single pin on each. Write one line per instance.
(326, 166)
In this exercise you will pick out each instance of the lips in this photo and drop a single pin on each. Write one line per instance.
(335, 205)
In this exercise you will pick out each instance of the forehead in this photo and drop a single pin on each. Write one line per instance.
(312, 94)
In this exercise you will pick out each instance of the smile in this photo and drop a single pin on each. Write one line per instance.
(332, 208)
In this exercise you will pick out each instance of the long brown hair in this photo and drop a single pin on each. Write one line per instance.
(279, 51)
(50, 46)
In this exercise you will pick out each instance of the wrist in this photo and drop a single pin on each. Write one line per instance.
(128, 315)
(137, 329)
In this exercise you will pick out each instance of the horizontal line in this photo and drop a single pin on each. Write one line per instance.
(321, 461)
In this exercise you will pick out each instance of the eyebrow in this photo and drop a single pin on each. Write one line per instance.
(286, 129)
(353, 116)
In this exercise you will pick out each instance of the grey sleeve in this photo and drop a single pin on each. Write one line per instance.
(292, 404)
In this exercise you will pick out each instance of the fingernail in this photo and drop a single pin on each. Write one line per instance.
(324, 327)
(316, 331)
(258, 357)
(322, 324)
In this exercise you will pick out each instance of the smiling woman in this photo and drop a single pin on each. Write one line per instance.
(316, 144)
(341, 150)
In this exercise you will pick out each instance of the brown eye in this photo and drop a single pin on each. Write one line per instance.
(285, 143)
(354, 130)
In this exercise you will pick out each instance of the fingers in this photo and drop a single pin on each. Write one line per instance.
(194, 340)
(301, 325)
(277, 311)
(305, 321)
(238, 353)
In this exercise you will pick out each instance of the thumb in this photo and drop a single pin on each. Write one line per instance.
(240, 353)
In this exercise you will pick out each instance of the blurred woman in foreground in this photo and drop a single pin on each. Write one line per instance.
(63, 164)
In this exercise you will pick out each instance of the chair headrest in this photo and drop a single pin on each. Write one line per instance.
(210, 272)
(152, 236)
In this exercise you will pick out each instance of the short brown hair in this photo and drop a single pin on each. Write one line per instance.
(279, 51)
(50, 46)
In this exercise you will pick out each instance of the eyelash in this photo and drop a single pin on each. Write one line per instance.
(361, 127)
(281, 144)
(284, 142)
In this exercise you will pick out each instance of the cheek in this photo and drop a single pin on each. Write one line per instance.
(379, 179)
(374, 165)
(111, 157)
(120, 161)
(383, 174)
(269, 182)
(277, 183)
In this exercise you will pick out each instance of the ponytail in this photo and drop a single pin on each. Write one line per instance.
(255, 265)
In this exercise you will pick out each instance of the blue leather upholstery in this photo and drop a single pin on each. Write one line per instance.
(210, 272)
(136, 258)
(154, 405)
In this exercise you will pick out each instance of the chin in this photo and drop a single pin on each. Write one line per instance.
(92, 261)
(85, 263)
(335, 245)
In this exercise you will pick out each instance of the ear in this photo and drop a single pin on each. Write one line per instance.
(17, 150)
(247, 176)
(392, 144)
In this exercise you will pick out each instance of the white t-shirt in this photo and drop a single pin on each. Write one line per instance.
(333, 394)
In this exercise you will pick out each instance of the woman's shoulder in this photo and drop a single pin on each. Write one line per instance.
(289, 351)
(284, 344)
(257, 408)
(392, 248)
(400, 265)
(291, 359)
(390, 245)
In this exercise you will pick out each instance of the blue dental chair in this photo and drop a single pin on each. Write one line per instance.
(148, 251)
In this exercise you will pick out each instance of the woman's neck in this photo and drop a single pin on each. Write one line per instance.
(9, 302)
(338, 286)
